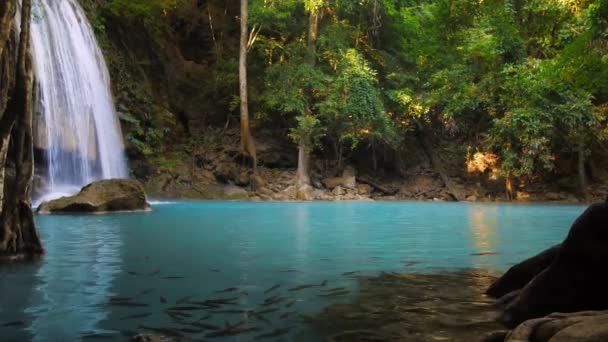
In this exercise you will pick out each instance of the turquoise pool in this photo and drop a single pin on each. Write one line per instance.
(233, 271)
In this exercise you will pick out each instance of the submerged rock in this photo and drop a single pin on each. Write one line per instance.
(103, 196)
(573, 281)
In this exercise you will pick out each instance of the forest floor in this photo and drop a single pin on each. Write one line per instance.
(215, 169)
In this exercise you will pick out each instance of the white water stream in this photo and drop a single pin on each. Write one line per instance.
(76, 123)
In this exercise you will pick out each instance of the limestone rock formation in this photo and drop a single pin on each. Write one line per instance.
(98, 197)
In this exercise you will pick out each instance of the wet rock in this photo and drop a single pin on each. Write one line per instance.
(364, 189)
(494, 336)
(338, 191)
(332, 182)
(472, 199)
(519, 275)
(560, 327)
(256, 182)
(305, 193)
(103, 196)
(554, 196)
(575, 280)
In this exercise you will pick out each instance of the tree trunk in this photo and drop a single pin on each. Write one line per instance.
(582, 182)
(18, 235)
(303, 172)
(509, 188)
(436, 163)
(247, 143)
(7, 14)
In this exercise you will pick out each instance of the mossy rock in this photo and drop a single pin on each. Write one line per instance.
(99, 197)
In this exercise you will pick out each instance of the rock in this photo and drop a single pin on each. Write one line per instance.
(234, 192)
(256, 182)
(332, 182)
(554, 196)
(349, 178)
(560, 327)
(494, 336)
(519, 275)
(305, 193)
(338, 191)
(472, 199)
(103, 196)
(575, 280)
(364, 189)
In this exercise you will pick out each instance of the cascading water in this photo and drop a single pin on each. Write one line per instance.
(76, 124)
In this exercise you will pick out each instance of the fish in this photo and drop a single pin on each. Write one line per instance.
(301, 287)
(205, 326)
(261, 318)
(335, 289)
(284, 316)
(163, 299)
(289, 271)
(273, 301)
(325, 259)
(214, 270)
(349, 273)
(165, 331)
(223, 301)
(290, 304)
(172, 277)
(133, 273)
(183, 300)
(230, 289)
(128, 304)
(120, 299)
(184, 308)
(411, 263)
(191, 331)
(266, 311)
(142, 315)
(272, 288)
(238, 311)
(335, 294)
(179, 314)
(12, 324)
(204, 318)
(324, 283)
(273, 334)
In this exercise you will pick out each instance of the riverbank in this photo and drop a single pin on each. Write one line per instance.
(214, 169)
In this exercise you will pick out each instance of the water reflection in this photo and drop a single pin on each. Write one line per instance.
(74, 282)
(412, 307)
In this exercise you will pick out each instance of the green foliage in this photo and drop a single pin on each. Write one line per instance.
(146, 140)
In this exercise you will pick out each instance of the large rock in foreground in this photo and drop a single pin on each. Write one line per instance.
(103, 196)
(574, 278)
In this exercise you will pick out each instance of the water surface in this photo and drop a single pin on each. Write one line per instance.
(419, 263)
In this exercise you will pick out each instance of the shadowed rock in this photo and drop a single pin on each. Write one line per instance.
(103, 196)
(519, 275)
(575, 281)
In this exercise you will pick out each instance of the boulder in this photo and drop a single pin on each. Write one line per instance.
(563, 327)
(305, 193)
(519, 275)
(332, 182)
(103, 196)
(575, 280)
(349, 179)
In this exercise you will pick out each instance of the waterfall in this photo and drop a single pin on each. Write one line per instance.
(76, 124)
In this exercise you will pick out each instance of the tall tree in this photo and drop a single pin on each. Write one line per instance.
(18, 235)
(247, 142)
(315, 9)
